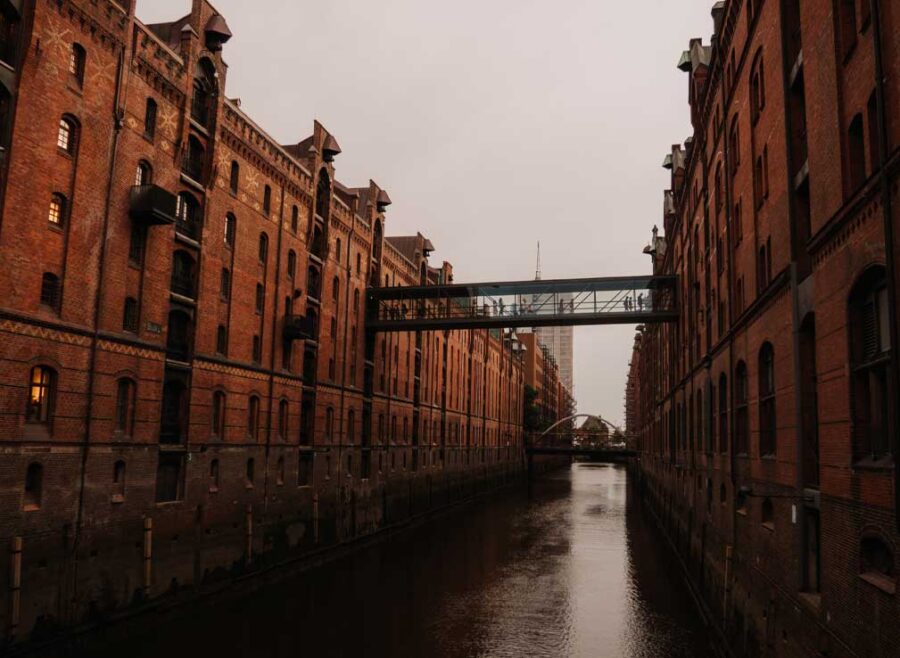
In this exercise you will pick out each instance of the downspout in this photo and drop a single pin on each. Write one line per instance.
(894, 421)
(98, 299)
(344, 346)
(275, 308)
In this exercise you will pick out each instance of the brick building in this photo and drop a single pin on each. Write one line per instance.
(767, 417)
(188, 388)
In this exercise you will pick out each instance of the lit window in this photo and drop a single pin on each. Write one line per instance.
(65, 139)
(57, 212)
(76, 64)
(144, 174)
(40, 396)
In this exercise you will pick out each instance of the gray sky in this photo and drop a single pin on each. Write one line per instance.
(492, 123)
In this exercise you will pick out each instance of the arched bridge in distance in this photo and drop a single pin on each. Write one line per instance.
(548, 442)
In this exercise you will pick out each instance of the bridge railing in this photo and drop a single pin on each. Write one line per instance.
(614, 300)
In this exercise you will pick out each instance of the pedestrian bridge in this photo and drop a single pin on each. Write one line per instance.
(510, 304)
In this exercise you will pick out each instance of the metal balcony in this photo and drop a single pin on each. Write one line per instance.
(152, 205)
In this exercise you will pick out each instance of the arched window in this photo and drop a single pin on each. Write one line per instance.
(283, 420)
(279, 472)
(848, 25)
(323, 196)
(225, 284)
(856, 153)
(150, 113)
(291, 264)
(267, 200)
(257, 350)
(767, 424)
(295, 219)
(235, 177)
(230, 230)
(741, 417)
(67, 137)
(351, 426)
(329, 424)
(144, 174)
(204, 92)
(735, 144)
(183, 274)
(253, 417)
(757, 87)
(34, 486)
(214, 476)
(723, 413)
(250, 474)
(263, 248)
(335, 289)
(194, 160)
(768, 514)
(876, 562)
(313, 282)
(41, 396)
(77, 60)
(222, 340)
(118, 488)
(130, 315)
(57, 213)
(217, 424)
(260, 298)
(188, 215)
(870, 353)
(125, 398)
(50, 296)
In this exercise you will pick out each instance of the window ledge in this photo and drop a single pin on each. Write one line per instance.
(30, 507)
(117, 499)
(881, 581)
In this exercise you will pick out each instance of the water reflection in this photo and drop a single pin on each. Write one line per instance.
(573, 571)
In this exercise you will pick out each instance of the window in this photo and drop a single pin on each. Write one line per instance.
(719, 191)
(335, 289)
(253, 418)
(741, 418)
(130, 315)
(235, 177)
(279, 472)
(57, 214)
(355, 301)
(214, 476)
(204, 90)
(329, 423)
(358, 263)
(337, 250)
(735, 144)
(767, 421)
(50, 291)
(136, 245)
(66, 137)
(217, 424)
(263, 248)
(144, 174)
(848, 29)
(856, 154)
(225, 284)
(230, 229)
(351, 426)
(870, 353)
(723, 413)
(283, 420)
(169, 478)
(267, 200)
(738, 222)
(250, 474)
(222, 340)
(876, 562)
(183, 274)
(287, 351)
(188, 216)
(757, 88)
(305, 469)
(194, 160)
(77, 59)
(291, 264)
(34, 486)
(768, 514)
(260, 298)
(118, 484)
(125, 397)
(257, 350)
(150, 119)
(295, 219)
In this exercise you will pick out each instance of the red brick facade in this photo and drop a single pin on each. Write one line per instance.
(188, 388)
(767, 417)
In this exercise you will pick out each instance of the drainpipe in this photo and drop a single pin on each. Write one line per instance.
(886, 202)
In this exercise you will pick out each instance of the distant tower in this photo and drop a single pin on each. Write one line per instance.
(537, 271)
(559, 340)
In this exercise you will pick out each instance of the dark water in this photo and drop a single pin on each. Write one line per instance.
(574, 571)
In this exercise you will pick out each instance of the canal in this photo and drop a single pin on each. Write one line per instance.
(575, 570)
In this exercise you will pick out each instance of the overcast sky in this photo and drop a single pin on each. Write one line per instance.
(493, 124)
